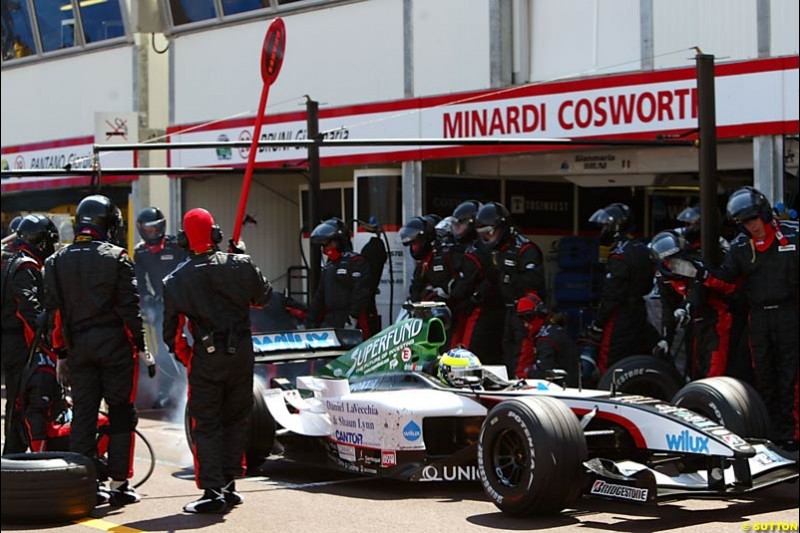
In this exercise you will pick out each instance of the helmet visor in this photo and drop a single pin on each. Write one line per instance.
(743, 206)
(664, 246)
(460, 228)
(408, 235)
(152, 230)
(602, 217)
(461, 376)
(690, 215)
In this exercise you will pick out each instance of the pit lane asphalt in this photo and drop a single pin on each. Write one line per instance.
(285, 497)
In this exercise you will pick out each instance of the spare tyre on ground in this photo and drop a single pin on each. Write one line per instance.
(45, 487)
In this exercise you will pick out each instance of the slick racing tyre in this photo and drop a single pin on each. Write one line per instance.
(47, 487)
(260, 432)
(644, 375)
(733, 403)
(530, 456)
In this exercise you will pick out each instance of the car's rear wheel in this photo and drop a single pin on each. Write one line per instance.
(733, 403)
(530, 456)
(644, 375)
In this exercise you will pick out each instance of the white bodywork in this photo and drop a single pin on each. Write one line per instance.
(387, 420)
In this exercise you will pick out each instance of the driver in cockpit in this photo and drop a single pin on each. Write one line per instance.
(459, 368)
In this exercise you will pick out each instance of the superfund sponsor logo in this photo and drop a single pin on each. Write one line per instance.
(685, 442)
(383, 343)
(622, 492)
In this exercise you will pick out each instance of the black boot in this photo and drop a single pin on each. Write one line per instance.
(232, 498)
(212, 501)
(123, 494)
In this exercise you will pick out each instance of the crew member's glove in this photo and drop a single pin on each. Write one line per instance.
(682, 316)
(661, 349)
(702, 273)
(236, 248)
(441, 293)
(594, 333)
(62, 372)
(150, 361)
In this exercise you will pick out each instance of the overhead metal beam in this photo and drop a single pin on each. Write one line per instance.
(340, 143)
(133, 171)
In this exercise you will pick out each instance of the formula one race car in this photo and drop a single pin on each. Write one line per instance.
(535, 445)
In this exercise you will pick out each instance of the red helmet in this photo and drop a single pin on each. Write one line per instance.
(200, 230)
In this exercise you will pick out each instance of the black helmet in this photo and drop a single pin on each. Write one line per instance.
(151, 225)
(616, 220)
(12, 226)
(333, 229)
(98, 212)
(748, 203)
(493, 223)
(690, 217)
(444, 231)
(666, 244)
(418, 233)
(39, 234)
(464, 226)
(433, 218)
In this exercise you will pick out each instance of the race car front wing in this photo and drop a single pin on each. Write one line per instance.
(635, 482)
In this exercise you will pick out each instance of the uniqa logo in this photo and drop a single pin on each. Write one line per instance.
(684, 442)
(450, 473)
(411, 431)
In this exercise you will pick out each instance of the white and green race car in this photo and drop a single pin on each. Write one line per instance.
(535, 445)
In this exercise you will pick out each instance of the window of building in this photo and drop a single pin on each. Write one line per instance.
(188, 11)
(17, 35)
(101, 20)
(36, 27)
(56, 21)
(232, 7)
(191, 14)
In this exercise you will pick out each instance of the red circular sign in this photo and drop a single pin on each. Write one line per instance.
(272, 52)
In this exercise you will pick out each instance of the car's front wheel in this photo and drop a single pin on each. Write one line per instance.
(530, 456)
(733, 403)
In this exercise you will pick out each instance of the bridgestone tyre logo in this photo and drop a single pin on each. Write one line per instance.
(622, 492)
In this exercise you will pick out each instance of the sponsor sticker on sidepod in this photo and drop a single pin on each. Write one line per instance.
(623, 492)
(388, 458)
(411, 432)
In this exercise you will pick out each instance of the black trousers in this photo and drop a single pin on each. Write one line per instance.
(15, 357)
(220, 405)
(514, 333)
(103, 365)
(627, 333)
(775, 346)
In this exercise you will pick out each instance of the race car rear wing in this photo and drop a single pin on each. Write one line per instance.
(282, 346)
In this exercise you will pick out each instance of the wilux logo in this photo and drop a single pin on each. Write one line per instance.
(684, 442)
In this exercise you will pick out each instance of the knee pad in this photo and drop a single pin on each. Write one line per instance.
(122, 418)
